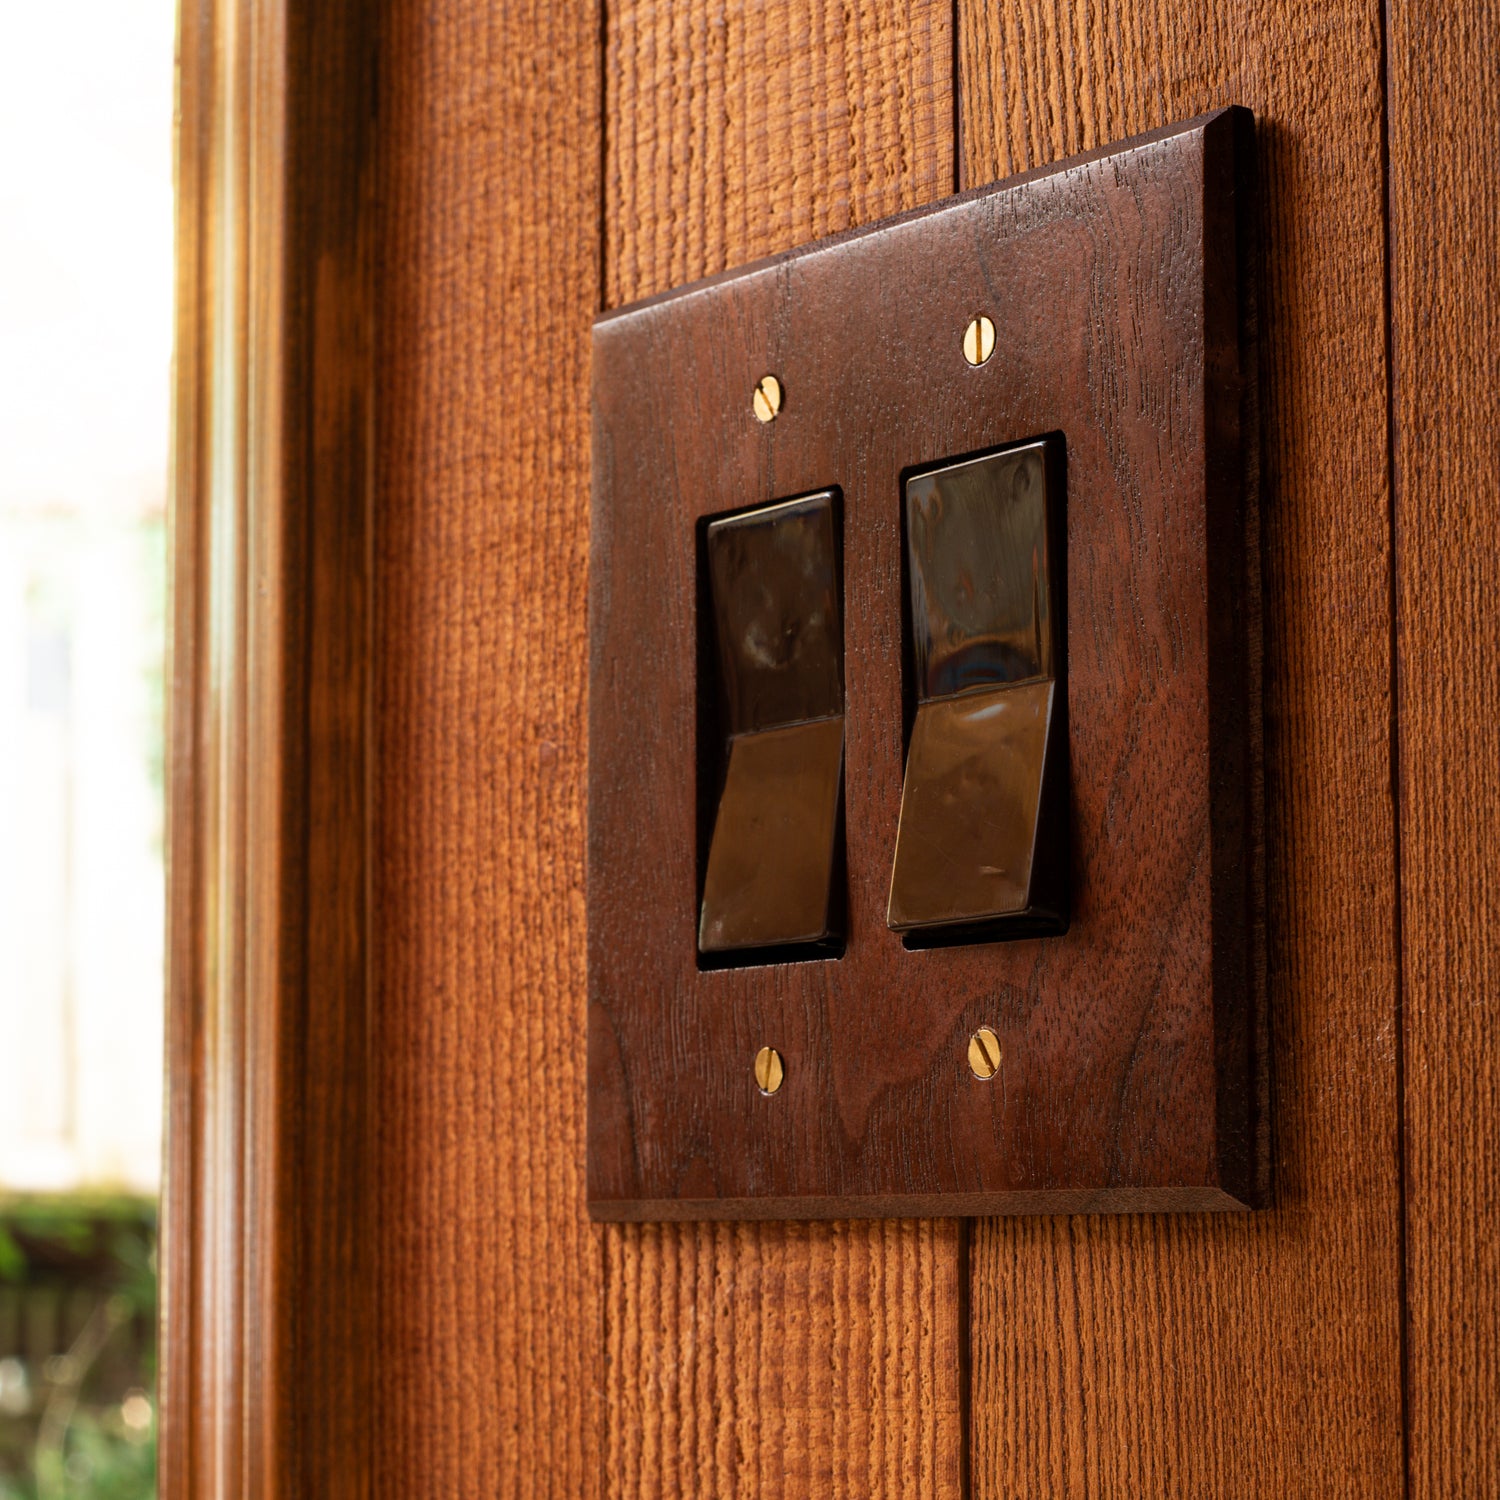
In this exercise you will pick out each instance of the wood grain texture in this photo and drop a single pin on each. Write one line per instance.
(1126, 1043)
(736, 130)
(488, 1278)
(1254, 1357)
(731, 132)
(191, 1406)
(1445, 297)
(264, 1339)
(324, 1447)
(783, 1359)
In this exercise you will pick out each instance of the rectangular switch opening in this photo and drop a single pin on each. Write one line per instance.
(982, 850)
(772, 882)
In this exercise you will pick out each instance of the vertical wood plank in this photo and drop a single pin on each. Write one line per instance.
(1257, 1356)
(329, 1389)
(784, 1359)
(1445, 284)
(775, 1359)
(736, 130)
(487, 1274)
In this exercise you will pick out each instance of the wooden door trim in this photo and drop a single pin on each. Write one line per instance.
(267, 808)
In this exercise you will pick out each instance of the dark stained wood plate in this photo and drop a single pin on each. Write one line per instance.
(1131, 1074)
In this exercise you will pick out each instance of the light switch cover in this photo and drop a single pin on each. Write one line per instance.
(1102, 309)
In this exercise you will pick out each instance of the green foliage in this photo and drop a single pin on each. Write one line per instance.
(12, 1257)
(86, 1430)
(101, 1461)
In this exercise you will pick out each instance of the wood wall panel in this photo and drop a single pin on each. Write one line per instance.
(775, 1359)
(510, 1347)
(487, 1275)
(784, 1360)
(1242, 1357)
(733, 131)
(1445, 263)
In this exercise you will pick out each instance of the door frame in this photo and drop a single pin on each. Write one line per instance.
(262, 1363)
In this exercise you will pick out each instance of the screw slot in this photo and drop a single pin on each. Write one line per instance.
(979, 340)
(984, 1054)
(766, 401)
(769, 1070)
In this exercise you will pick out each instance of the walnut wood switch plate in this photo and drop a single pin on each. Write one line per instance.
(759, 697)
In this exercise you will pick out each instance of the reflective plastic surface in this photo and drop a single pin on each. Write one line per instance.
(770, 866)
(774, 581)
(774, 577)
(981, 603)
(969, 808)
(982, 838)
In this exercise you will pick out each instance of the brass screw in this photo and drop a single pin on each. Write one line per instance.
(767, 400)
(979, 340)
(984, 1053)
(768, 1070)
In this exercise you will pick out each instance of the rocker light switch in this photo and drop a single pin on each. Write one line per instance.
(982, 845)
(774, 580)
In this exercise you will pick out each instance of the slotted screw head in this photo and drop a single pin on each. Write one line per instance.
(984, 1053)
(769, 1070)
(979, 340)
(767, 398)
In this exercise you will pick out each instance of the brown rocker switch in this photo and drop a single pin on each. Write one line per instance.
(773, 575)
(981, 850)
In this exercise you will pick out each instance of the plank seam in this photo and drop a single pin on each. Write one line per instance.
(603, 105)
(1397, 916)
(965, 1331)
(955, 53)
(606, 1331)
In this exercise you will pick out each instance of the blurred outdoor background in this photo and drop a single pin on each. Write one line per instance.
(86, 98)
